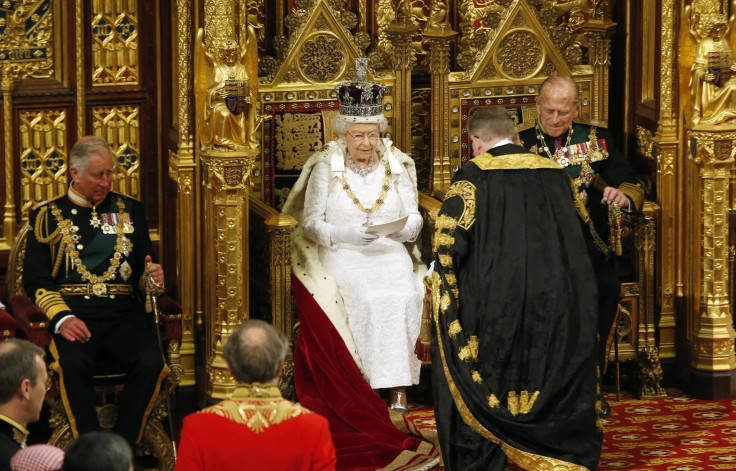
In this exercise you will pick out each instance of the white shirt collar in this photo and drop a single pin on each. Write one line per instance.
(502, 142)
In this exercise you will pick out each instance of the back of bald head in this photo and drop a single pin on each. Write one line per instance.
(255, 352)
(561, 84)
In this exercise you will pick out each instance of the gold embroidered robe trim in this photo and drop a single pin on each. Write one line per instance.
(470, 351)
(514, 162)
(466, 191)
(522, 458)
(257, 406)
(521, 403)
(454, 329)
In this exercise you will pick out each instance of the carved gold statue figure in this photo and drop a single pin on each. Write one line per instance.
(712, 83)
(227, 104)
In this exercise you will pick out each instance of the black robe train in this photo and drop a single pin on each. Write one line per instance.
(514, 370)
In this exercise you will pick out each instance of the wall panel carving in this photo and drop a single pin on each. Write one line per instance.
(114, 38)
(27, 38)
(43, 159)
(120, 127)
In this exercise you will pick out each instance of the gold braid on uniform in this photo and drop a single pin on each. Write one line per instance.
(50, 239)
(583, 213)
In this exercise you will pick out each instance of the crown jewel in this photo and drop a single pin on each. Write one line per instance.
(360, 97)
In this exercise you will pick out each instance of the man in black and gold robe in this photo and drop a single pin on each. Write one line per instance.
(601, 175)
(513, 365)
(87, 257)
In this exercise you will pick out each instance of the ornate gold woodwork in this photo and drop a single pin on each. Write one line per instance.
(219, 21)
(9, 224)
(400, 36)
(712, 340)
(439, 67)
(120, 127)
(115, 45)
(271, 265)
(183, 169)
(226, 296)
(80, 72)
(43, 159)
(27, 38)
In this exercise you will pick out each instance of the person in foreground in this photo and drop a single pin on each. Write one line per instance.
(359, 295)
(514, 296)
(88, 258)
(95, 451)
(256, 428)
(22, 389)
(602, 177)
(39, 457)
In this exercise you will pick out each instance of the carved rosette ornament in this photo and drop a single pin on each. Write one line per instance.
(713, 339)
(322, 59)
(520, 55)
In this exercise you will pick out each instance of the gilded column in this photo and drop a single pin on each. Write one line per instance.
(279, 228)
(713, 339)
(81, 76)
(666, 142)
(6, 83)
(400, 36)
(439, 65)
(225, 177)
(600, 59)
(225, 91)
(183, 170)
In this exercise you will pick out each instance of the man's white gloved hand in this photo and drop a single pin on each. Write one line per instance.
(351, 235)
(404, 235)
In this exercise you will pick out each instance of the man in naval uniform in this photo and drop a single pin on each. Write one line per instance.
(87, 262)
(601, 175)
(515, 308)
(22, 389)
(256, 428)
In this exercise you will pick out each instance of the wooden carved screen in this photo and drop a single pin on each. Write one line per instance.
(72, 68)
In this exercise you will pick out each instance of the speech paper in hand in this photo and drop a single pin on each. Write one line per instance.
(382, 230)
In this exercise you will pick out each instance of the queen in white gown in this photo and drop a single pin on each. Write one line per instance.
(354, 182)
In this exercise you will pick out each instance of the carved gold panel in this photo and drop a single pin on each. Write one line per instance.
(114, 38)
(27, 37)
(43, 159)
(120, 127)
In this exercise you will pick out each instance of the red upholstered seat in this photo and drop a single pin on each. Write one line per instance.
(8, 325)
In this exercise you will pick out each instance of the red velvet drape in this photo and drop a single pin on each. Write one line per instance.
(329, 383)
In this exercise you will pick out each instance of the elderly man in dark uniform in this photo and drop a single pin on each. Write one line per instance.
(87, 260)
(601, 175)
(513, 359)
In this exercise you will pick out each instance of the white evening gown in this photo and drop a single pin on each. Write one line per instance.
(382, 294)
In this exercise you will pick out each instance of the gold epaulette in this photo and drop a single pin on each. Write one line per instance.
(43, 203)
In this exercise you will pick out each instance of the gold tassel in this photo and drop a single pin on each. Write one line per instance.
(615, 216)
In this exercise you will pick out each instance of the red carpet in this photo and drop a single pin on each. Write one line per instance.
(676, 433)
